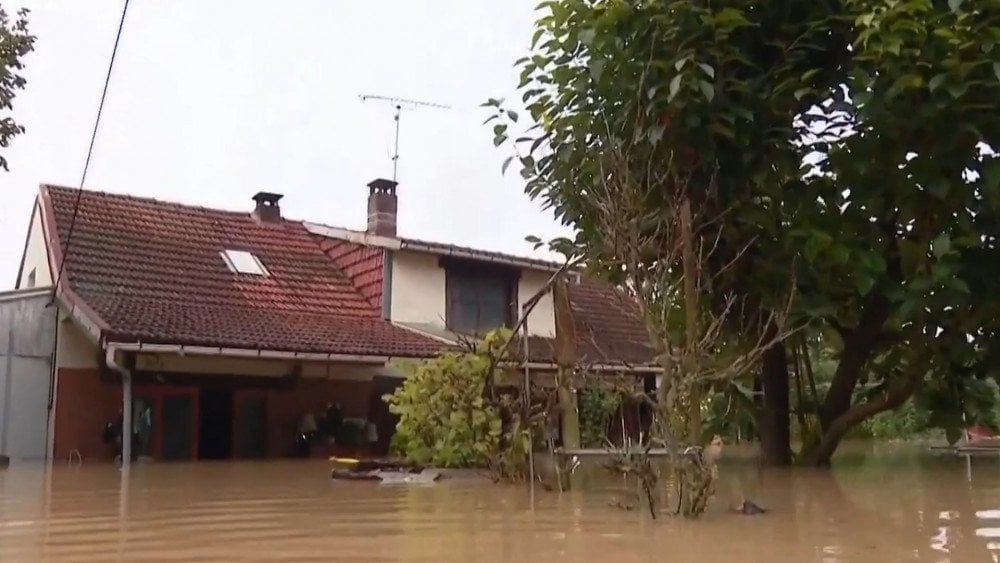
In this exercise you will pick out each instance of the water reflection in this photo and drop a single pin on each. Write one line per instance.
(885, 505)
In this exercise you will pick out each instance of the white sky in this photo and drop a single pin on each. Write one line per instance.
(211, 101)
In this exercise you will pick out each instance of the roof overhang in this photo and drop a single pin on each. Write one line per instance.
(439, 249)
(183, 349)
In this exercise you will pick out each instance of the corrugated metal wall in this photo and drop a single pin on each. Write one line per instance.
(27, 335)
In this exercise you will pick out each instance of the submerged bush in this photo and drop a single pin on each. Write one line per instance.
(444, 416)
(597, 404)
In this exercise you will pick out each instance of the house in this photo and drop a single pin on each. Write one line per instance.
(220, 329)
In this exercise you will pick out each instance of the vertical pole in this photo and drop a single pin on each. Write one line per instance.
(126, 418)
(527, 404)
(7, 375)
(395, 150)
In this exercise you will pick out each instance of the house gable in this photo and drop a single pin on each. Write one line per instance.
(35, 270)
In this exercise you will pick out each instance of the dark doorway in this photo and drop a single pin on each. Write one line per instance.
(178, 426)
(215, 423)
(379, 415)
(251, 424)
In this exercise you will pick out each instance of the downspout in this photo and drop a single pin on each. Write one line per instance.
(387, 284)
(111, 361)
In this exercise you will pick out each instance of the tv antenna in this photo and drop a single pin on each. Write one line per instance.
(399, 104)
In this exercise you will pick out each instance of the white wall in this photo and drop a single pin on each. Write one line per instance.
(75, 349)
(542, 320)
(36, 254)
(418, 293)
(417, 289)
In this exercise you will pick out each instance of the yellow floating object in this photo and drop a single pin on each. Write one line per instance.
(348, 460)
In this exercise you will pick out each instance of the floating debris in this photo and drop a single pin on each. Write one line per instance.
(749, 508)
(388, 471)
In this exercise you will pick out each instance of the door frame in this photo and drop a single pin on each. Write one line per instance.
(156, 393)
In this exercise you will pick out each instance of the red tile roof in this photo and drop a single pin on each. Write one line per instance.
(609, 329)
(361, 264)
(151, 271)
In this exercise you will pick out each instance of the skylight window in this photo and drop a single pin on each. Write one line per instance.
(243, 262)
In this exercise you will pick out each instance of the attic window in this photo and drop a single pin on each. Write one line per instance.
(243, 262)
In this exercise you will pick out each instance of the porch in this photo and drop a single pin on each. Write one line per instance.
(190, 407)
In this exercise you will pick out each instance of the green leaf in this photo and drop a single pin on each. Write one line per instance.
(936, 82)
(506, 163)
(707, 69)
(730, 17)
(586, 36)
(941, 245)
(536, 36)
(864, 282)
(499, 128)
(958, 90)
(679, 65)
(597, 68)
(802, 92)
(512, 115)
(707, 89)
(675, 86)
(955, 5)
(996, 70)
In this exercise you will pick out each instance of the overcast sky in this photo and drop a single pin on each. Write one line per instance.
(212, 101)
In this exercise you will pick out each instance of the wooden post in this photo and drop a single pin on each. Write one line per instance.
(565, 352)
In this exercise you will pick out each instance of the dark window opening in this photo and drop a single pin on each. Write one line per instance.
(479, 299)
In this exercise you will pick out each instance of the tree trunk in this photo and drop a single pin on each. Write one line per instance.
(832, 436)
(691, 328)
(565, 352)
(896, 394)
(859, 343)
(775, 436)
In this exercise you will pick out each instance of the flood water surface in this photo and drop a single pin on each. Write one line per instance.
(896, 505)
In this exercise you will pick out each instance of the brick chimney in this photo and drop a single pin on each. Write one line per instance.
(267, 210)
(382, 207)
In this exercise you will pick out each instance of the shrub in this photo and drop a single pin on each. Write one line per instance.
(444, 418)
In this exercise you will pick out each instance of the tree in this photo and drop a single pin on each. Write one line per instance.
(15, 43)
(839, 141)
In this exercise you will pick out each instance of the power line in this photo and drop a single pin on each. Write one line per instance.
(90, 152)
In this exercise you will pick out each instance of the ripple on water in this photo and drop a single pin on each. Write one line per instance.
(872, 510)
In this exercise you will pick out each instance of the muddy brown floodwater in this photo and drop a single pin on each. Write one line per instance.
(886, 504)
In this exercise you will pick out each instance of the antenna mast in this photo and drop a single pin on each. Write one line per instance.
(399, 103)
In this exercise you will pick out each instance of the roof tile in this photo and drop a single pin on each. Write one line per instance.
(153, 272)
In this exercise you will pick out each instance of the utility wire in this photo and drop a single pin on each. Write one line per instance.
(90, 152)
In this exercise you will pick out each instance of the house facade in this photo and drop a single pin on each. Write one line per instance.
(219, 330)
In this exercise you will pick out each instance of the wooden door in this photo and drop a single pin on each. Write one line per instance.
(250, 424)
(169, 415)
